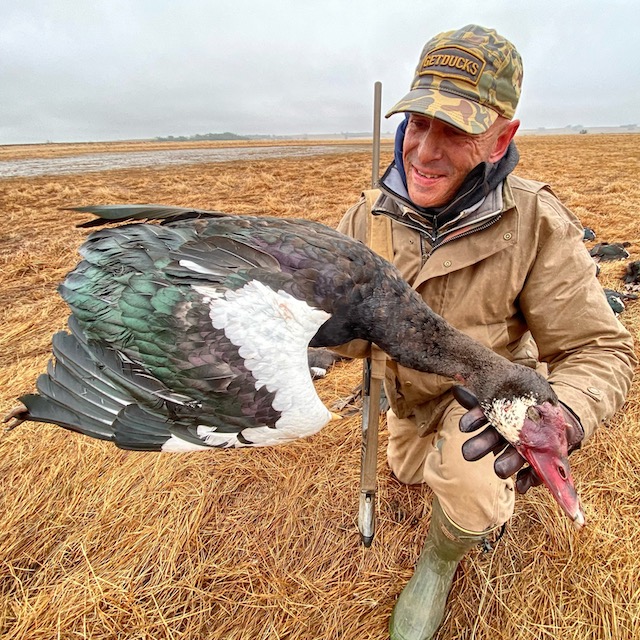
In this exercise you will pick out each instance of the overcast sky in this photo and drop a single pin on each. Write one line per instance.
(79, 70)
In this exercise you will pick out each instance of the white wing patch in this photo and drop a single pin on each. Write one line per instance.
(178, 445)
(507, 416)
(272, 331)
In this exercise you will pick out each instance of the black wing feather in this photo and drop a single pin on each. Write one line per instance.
(122, 212)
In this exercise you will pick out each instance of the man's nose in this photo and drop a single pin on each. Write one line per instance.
(431, 145)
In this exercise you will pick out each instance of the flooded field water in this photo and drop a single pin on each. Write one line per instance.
(116, 160)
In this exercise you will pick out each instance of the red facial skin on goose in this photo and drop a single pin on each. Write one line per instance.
(543, 444)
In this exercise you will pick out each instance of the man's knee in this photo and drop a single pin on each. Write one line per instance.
(406, 450)
(470, 492)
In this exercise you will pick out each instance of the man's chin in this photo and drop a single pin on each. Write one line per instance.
(427, 203)
(429, 195)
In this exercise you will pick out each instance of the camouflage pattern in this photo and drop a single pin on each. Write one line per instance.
(466, 78)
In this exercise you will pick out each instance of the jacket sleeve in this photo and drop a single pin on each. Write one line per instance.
(588, 351)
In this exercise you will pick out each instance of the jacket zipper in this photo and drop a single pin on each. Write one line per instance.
(427, 254)
(422, 231)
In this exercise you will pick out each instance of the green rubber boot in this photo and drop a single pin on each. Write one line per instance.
(421, 605)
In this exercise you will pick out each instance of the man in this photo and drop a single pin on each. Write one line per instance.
(501, 259)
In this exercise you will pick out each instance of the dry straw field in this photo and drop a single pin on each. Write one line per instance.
(263, 544)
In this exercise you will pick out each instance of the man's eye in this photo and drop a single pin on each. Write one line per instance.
(420, 125)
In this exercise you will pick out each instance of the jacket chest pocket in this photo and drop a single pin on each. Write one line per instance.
(480, 301)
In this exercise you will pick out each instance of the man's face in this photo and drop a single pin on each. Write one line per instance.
(437, 157)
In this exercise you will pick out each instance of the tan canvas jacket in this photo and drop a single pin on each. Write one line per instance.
(527, 275)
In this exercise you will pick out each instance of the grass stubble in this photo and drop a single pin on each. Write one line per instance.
(101, 543)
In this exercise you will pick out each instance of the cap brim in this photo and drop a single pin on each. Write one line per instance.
(467, 115)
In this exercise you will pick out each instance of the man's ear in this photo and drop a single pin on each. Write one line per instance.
(503, 140)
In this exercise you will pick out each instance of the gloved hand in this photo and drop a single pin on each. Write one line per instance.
(488, 441)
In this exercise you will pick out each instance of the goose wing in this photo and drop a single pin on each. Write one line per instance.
(182, 323)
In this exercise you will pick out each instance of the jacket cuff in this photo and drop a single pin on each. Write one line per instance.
(575, 430)
(577, 404)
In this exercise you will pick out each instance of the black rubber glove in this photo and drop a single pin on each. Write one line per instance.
(508, 460)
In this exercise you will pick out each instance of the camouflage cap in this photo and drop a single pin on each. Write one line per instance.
(466, 78)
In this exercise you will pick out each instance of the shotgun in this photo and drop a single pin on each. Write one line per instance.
(372, 376)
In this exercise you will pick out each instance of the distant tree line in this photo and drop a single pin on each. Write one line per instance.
(203, 136)
(227, 135)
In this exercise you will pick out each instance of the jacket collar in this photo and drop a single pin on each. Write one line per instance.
(488, 210)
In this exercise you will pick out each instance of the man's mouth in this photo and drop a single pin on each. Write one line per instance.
(427, 176)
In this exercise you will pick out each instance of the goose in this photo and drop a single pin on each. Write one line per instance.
(321, 360)
(617, 300)
(192, 334)
(609, 251)
(631, 277)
